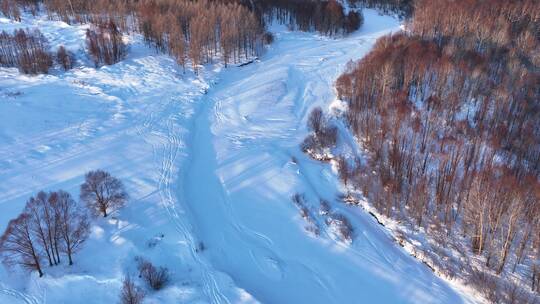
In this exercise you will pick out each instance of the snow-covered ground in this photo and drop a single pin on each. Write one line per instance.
(208, 162)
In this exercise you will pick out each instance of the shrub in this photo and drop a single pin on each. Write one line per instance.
(268, 38)
(131, 293)
(323, 134)
(155, 277)
(324, 208)
(341, 226)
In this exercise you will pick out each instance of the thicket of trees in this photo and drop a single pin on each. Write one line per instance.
(104, 43)
(156, 277)
(28, 50)
(450, 112)
(52, 225)
(25, 49)
(198, 31)
(336, 223)
(323, 136)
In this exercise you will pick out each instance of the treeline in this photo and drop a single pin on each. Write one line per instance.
(53, 225)
(201, 30)
(400, 8)
(190, 31)
(450, 114)
(195, 32)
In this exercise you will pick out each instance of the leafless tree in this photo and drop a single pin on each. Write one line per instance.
(73, 223)
(18, 246)
(25, 49)
(44, 226)
(102, 192)
(51, 224)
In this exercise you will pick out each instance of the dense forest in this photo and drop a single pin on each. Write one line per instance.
(449, 112)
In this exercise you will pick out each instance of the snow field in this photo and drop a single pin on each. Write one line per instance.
(207, 161)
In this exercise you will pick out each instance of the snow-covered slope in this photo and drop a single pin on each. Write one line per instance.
(131, 119)
(208, 163)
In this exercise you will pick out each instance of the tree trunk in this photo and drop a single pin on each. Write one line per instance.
(48, 255)
(69, 258)
(36, 260)
(39, 270)
(57, 251)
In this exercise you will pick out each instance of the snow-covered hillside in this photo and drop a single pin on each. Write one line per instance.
(208, 162)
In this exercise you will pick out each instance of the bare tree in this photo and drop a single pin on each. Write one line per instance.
(102, 192)
(131, 293)
(73, 223)
(43, 225)
(18, 247)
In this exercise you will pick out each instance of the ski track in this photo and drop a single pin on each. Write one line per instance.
(23, 297)
(170, 152)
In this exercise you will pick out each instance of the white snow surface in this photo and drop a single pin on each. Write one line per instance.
(207, 159)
